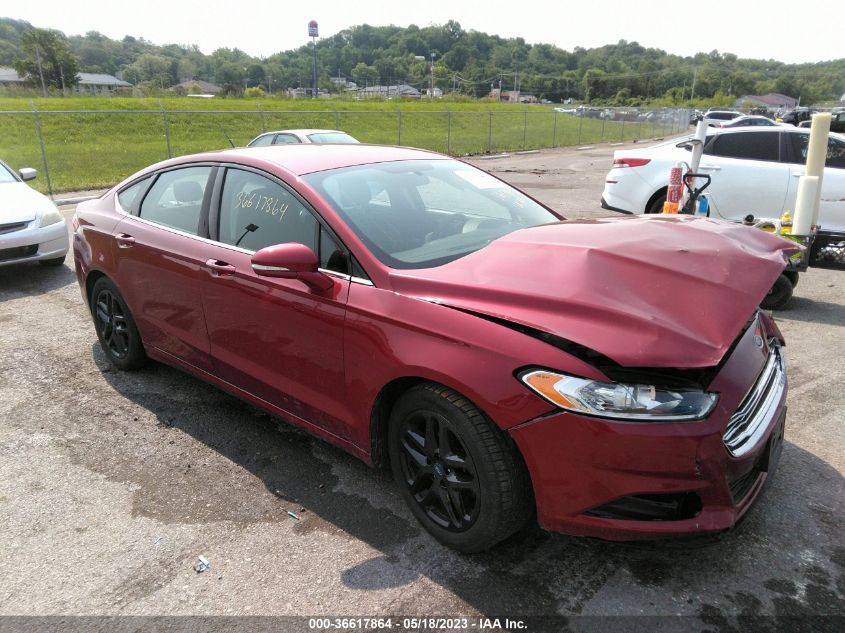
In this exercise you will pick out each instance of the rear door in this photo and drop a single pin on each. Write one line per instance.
(832, 204)
(747, 175)
(159, 254)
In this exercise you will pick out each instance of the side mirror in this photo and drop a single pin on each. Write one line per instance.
(27, 173)
(291, 261)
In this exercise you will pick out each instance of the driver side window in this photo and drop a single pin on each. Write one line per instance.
(256, 212)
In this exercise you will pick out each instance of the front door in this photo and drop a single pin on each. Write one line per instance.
(274, 338)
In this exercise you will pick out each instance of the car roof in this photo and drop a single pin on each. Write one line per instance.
(306, 158)
(306, 132)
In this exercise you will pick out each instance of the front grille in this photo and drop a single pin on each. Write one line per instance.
(747, 426)
(13, 226)
(18, 252)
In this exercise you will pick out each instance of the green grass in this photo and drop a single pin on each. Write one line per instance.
(93, 149)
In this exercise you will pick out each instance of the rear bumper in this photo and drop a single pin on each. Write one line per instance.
(626, 481)
(32, 244)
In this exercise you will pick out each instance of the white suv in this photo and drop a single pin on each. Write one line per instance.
(714, 118)
(753, 171)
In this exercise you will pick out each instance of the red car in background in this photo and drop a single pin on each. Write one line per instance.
(614, 375)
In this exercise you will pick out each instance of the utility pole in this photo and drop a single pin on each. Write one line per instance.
(40, 70)
(692, 91)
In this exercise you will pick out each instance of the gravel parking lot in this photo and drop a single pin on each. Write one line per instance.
(112, 484)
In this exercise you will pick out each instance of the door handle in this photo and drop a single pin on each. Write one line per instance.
(124, 240)
(219, 268)
(798, 175)
(709, 167)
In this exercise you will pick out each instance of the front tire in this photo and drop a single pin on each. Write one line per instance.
(115, 326)
(460, 475)
(57, 261)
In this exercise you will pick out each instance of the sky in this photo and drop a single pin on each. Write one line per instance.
(790, 32)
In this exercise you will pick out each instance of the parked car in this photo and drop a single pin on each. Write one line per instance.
(753, 170)
(31, 227)
(797, 115)
(749, 121)
(287, 137)
(837, 122)
(714, 118)
(431, 319)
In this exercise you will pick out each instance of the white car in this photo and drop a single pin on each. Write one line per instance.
(753, 171)
(31, 227)
(714, 118)
(284, 137)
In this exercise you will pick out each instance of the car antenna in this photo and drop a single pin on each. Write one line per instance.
(227, 136)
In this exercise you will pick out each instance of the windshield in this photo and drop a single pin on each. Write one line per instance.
(424, 213)
(331, 137)
(6, 174)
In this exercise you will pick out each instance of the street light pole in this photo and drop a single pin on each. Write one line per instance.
(431, 88)
(313, 34)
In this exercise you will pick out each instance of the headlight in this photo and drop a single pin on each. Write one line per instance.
(644, 403)
(50, 217)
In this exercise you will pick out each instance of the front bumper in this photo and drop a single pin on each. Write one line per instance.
(628, 481)
(32, 243)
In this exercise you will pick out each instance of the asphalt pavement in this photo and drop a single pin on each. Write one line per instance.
(113, 484)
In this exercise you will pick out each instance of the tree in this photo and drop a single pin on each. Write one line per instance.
(47, 55)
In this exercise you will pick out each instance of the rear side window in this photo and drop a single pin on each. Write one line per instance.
(748, 145)
(285, 139)
(256, 212)
(129, 196)
(175, 199)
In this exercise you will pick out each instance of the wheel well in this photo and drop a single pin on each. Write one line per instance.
(657, 194)
(380, 416)
(92, 278)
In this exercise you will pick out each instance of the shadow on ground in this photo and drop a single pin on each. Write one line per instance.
(786, 559)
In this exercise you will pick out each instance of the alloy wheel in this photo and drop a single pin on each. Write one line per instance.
(112, 325)
(439, 471)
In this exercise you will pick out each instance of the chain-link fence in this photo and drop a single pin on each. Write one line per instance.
(89, 149)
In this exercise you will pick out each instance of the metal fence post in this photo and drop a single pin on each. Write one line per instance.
(449, 132)
(524, 127)
(37, 116)
(166, 130)
(336, 120)
(580, 125)
(399, 127)
(622, 136)
(603, 121)
(490, 132)
(554, 129)
(261, 114)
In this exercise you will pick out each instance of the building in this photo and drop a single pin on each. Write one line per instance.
(771, 101)
(403, 91)
(198, 86)
(512, 96)
(93, 83)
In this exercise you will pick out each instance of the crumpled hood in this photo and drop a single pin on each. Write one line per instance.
(656, 291)
(20, 203)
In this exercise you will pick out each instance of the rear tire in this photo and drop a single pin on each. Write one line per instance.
(460, 475)
(779, 294)
(657, 205)
(115, 326)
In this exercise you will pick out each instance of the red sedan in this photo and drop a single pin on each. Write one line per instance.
(615, 376)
